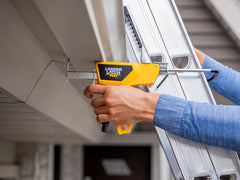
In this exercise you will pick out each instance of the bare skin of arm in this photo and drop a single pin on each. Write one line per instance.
(124, 104)
(201, 56)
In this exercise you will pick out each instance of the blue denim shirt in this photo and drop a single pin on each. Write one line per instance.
(217, 125)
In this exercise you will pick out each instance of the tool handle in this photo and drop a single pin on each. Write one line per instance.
(121, 130)
(105, 126)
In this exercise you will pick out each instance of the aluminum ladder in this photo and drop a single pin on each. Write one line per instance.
(155, 33)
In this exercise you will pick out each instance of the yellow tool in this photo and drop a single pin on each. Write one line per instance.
(129, 74)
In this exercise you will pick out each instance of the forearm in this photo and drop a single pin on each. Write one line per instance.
(218, 125)
(200, 55)
(148, 106)
(228, 81)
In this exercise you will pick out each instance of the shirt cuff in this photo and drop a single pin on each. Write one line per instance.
(168, 113)
(208, 64)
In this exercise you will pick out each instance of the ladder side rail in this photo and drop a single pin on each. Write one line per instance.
(231, 167)
(182, 159)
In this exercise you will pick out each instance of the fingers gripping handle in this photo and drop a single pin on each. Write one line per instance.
(121, 130)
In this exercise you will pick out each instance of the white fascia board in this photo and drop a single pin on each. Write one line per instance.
(229, 13)
(60, 101)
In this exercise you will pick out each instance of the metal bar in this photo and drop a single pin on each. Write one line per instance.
(186, 70)
(81, 75)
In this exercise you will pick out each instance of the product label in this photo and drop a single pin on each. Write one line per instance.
(114, 72)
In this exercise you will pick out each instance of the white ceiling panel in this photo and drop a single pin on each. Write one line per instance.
(19, 122)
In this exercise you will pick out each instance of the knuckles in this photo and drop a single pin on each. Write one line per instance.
(95, 111)
(108, 101)
(92, 103)
(111, 111)
(90, 88)
(102, 118)
(106, 118)
(109, 89)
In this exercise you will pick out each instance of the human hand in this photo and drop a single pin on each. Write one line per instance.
(122, 104)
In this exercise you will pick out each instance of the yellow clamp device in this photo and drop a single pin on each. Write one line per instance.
(128, 74)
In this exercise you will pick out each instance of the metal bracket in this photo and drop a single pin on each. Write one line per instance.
(80, 74)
